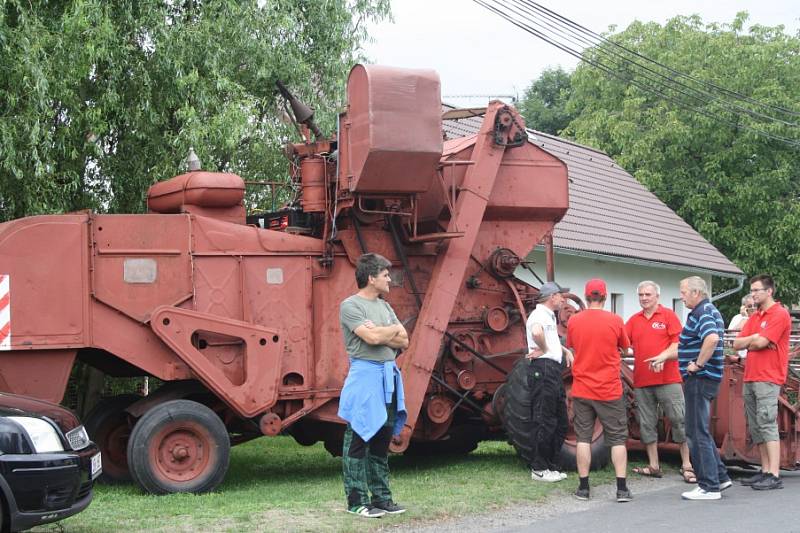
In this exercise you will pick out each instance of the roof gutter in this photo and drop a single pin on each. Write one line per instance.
(720, 296)
(646, 262)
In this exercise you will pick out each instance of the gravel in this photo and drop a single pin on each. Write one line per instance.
(523, 514)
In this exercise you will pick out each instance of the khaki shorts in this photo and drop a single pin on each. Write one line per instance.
(613, 416)
(761, 409)
(670, 398)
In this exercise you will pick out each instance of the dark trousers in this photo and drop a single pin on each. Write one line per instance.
(699, 393)
(548, 413)
(365, 464)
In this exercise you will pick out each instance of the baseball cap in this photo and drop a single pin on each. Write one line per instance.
(550, 288)
(595, 287)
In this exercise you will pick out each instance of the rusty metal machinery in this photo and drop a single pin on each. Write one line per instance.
(238, 314)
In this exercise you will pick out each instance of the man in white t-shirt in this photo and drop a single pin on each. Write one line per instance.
(548, 400)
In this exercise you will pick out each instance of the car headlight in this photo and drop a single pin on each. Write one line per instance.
(43, 436)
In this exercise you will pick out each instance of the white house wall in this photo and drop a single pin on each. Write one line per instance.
(621, 278)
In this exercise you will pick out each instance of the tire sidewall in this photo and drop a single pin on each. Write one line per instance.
(158, 419)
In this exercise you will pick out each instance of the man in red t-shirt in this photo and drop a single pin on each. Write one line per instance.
(766, 338)
(597, 337)
(653, 333)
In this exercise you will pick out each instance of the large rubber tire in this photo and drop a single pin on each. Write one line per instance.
(179, 446)
(519, 426)
(110, 428)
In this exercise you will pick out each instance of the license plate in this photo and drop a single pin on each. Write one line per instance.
(97, 466)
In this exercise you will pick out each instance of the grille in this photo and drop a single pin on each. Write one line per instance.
(77, 438)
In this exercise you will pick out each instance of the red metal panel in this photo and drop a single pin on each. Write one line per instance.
(45, 260)
(161, 242)
(39, 373)
(278, 296)
(394, 138)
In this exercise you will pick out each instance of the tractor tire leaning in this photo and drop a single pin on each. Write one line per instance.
(179, 446)
(519, 426)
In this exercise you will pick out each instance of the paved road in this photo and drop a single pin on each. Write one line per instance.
(740, 510)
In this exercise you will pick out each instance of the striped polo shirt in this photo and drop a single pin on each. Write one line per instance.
(701, 322)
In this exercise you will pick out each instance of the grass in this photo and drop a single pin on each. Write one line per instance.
(274, 484)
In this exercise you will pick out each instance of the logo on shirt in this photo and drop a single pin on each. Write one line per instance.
(764, 325)
(659, 325)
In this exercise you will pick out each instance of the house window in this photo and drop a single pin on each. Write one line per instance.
(618, 303)
(677, 306)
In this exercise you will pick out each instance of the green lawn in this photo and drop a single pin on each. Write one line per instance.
(275, 484)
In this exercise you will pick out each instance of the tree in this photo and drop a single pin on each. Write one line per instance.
(738, 188)
(99, 99)
(544, 102)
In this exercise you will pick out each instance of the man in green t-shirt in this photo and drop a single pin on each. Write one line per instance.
(372, 400)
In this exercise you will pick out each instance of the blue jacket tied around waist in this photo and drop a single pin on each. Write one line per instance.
(368, 388)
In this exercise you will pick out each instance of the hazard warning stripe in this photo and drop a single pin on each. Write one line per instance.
(5, 312)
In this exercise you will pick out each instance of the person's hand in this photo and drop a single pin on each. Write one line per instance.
(369, 324)
(535, 353)
(569, 358)
(397, 440)
(656, 363)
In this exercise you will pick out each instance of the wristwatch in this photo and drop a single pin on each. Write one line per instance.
(698, 365)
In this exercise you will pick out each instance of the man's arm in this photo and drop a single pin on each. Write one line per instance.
(751, 342)
(537, 334)
(375, 335)
(706, 351)
(400, 339)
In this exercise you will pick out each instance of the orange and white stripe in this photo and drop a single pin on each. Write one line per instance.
(5, 312)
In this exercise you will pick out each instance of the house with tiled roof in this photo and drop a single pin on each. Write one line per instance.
(615, 229)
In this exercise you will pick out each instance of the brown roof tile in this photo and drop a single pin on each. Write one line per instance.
(611, 213)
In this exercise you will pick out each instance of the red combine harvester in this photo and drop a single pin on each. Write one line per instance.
(239, 315)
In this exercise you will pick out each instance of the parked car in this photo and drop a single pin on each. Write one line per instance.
(47, 463)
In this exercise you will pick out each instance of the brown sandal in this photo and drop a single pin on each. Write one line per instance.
(688, 475)
(648, 471)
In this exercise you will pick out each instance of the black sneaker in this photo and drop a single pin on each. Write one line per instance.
(390, 507)
(750, 481)
(769, 482)
(582, 494)
(366, 511)
(724, 485)
(624, 495)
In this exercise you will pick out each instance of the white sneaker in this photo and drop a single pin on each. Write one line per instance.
(701, 494)
(561, 475)
(725, 485)
(547, 476)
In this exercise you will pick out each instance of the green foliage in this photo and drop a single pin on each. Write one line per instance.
(99, 99)
(740, 190)
(544, 102)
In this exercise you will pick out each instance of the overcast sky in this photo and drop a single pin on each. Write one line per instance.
(477, 52)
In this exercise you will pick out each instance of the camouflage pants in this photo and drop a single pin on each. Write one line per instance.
(366, 463)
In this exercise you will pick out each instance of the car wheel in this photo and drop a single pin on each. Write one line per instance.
(109, 426)
(179, 446)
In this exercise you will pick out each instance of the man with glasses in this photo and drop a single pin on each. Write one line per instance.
(765, 336)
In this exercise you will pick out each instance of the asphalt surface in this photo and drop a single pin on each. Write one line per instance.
(741, 509)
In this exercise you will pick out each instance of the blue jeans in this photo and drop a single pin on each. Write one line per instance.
(699, 392)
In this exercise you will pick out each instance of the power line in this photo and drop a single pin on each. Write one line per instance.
(608, 47)
(712, 85)
(612, 70)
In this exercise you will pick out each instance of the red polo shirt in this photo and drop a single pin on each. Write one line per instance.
(597, 336)
(772, 363)
(649, 337)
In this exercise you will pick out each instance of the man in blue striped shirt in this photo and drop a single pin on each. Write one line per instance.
(700, 360)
